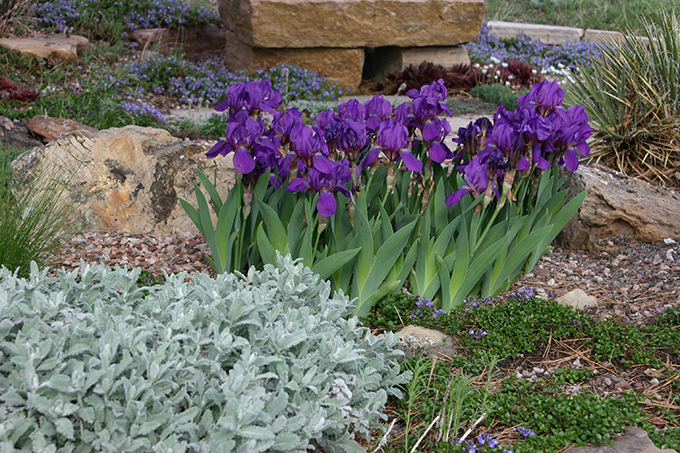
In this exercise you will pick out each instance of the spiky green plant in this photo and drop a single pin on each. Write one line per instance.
(32, 219)
(632, 95)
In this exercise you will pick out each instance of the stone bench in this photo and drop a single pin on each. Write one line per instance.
(329, 36)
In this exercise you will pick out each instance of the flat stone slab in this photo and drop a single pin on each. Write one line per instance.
(352, 23)
(51, 48)
(548, 34)
(603, 36)
(635, 440)
(208, 38)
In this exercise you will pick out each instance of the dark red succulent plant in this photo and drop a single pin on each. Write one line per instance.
(13, 92)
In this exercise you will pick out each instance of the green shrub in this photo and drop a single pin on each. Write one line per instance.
(632, 96)
(498, 94)
(267, 361)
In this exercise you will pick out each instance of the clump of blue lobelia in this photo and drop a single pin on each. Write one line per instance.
(552, 59)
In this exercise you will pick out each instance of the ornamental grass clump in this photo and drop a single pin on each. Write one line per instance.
(267, 361)
(33, 219)
(632, 96)
(370, 196)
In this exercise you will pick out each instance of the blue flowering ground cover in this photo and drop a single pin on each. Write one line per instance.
(64, 15)
(550, 58)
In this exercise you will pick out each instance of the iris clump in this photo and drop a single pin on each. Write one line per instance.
(550, 58)
(361, 193)
(538, 134)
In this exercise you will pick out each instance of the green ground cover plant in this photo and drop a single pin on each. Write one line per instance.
(610, 15)
(542, 414)
(111, 20)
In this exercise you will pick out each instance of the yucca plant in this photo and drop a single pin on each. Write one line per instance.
(632, 95)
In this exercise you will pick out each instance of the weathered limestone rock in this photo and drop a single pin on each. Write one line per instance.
(577, 299)
(352, 23)
(126, 179)
(50, 128)
(634, 440)
(435, 343)
(51, 48)
(391, 60)
(618, 205)
(343, 65)
(548, 34)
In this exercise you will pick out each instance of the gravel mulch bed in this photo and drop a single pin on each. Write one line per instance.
(633, 281)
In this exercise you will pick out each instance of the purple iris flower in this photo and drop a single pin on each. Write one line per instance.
(392, 139)
(352, 110)
(252, 96)
(574, 134)
(436, 90)
(325, 119)
(325, 184)
(473, 138)
(545, 95)
(378, 110)
(350, 137)
(310, 147)
(404, 115)
(476, 177)
(242, 133)
(284, 122)
(511, 143)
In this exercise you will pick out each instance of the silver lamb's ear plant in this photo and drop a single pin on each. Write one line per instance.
(266, 361)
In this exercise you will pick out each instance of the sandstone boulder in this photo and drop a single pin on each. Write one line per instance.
(126, 179)
(342, 65)
(51, 47)
(50, 128)
(352, 23)
(618, 205)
